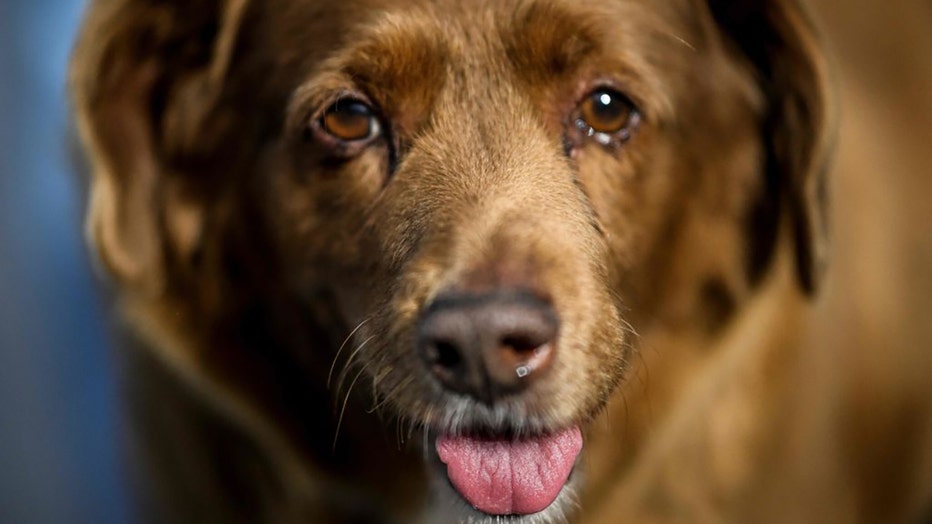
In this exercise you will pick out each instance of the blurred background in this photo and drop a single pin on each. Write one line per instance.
(59, 431)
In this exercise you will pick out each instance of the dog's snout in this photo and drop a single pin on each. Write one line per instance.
(488, 345)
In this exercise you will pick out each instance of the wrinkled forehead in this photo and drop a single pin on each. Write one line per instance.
(405, 48)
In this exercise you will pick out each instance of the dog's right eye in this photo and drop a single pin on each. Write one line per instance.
(350, 121)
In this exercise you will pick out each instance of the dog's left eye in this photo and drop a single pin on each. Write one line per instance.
(607, 115)
(350, 121)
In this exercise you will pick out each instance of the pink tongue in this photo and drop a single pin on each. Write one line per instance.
(504, 477)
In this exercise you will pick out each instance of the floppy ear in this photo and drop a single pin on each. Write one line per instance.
(781, 44)
(147, 78)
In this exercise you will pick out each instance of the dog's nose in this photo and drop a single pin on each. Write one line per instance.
(488, 345)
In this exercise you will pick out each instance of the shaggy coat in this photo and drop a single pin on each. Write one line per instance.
(282, 257)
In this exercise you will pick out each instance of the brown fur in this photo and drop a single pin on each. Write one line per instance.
(277, 290)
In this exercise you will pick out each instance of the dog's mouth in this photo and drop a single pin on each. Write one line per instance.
(507, 475)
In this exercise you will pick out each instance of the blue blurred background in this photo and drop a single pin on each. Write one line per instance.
(60, 444)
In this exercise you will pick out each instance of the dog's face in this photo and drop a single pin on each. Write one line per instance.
(494, 195)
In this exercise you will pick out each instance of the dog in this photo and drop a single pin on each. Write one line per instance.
(530, 261)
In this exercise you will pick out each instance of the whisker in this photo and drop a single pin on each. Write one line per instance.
(386, 366)
(411, 427)
(397, 389)
(628, 328)
(349, 363)
(399, 432)
(426, 434)
(343, 409)
(337, 356)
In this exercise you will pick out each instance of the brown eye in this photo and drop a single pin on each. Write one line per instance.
(350, 120)
(607, 113)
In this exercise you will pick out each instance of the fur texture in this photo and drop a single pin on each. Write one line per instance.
(276, 275)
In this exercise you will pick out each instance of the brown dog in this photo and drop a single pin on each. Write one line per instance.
(495, 261)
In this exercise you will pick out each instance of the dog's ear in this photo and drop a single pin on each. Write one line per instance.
(147, 77)
(780, 43)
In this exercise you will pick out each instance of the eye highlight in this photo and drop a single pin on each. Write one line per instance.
(607, 116)
(350, 120)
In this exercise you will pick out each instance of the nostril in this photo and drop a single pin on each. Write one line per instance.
(522, 356)
(446, 361)
(488, 345)
(446, 355)
(523, 346)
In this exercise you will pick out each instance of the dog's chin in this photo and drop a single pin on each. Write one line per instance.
(448, 505)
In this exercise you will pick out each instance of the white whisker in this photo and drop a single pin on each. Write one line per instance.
(391, 394)
(343, 409)
(349, 363)
(337, 356)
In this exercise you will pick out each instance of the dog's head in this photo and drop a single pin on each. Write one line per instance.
(495, 195)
